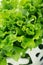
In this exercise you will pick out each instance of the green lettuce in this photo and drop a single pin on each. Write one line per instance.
(21, 27)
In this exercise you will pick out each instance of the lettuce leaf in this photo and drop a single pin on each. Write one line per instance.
(21, 27)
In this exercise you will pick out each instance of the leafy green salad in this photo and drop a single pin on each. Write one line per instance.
(21, 27)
